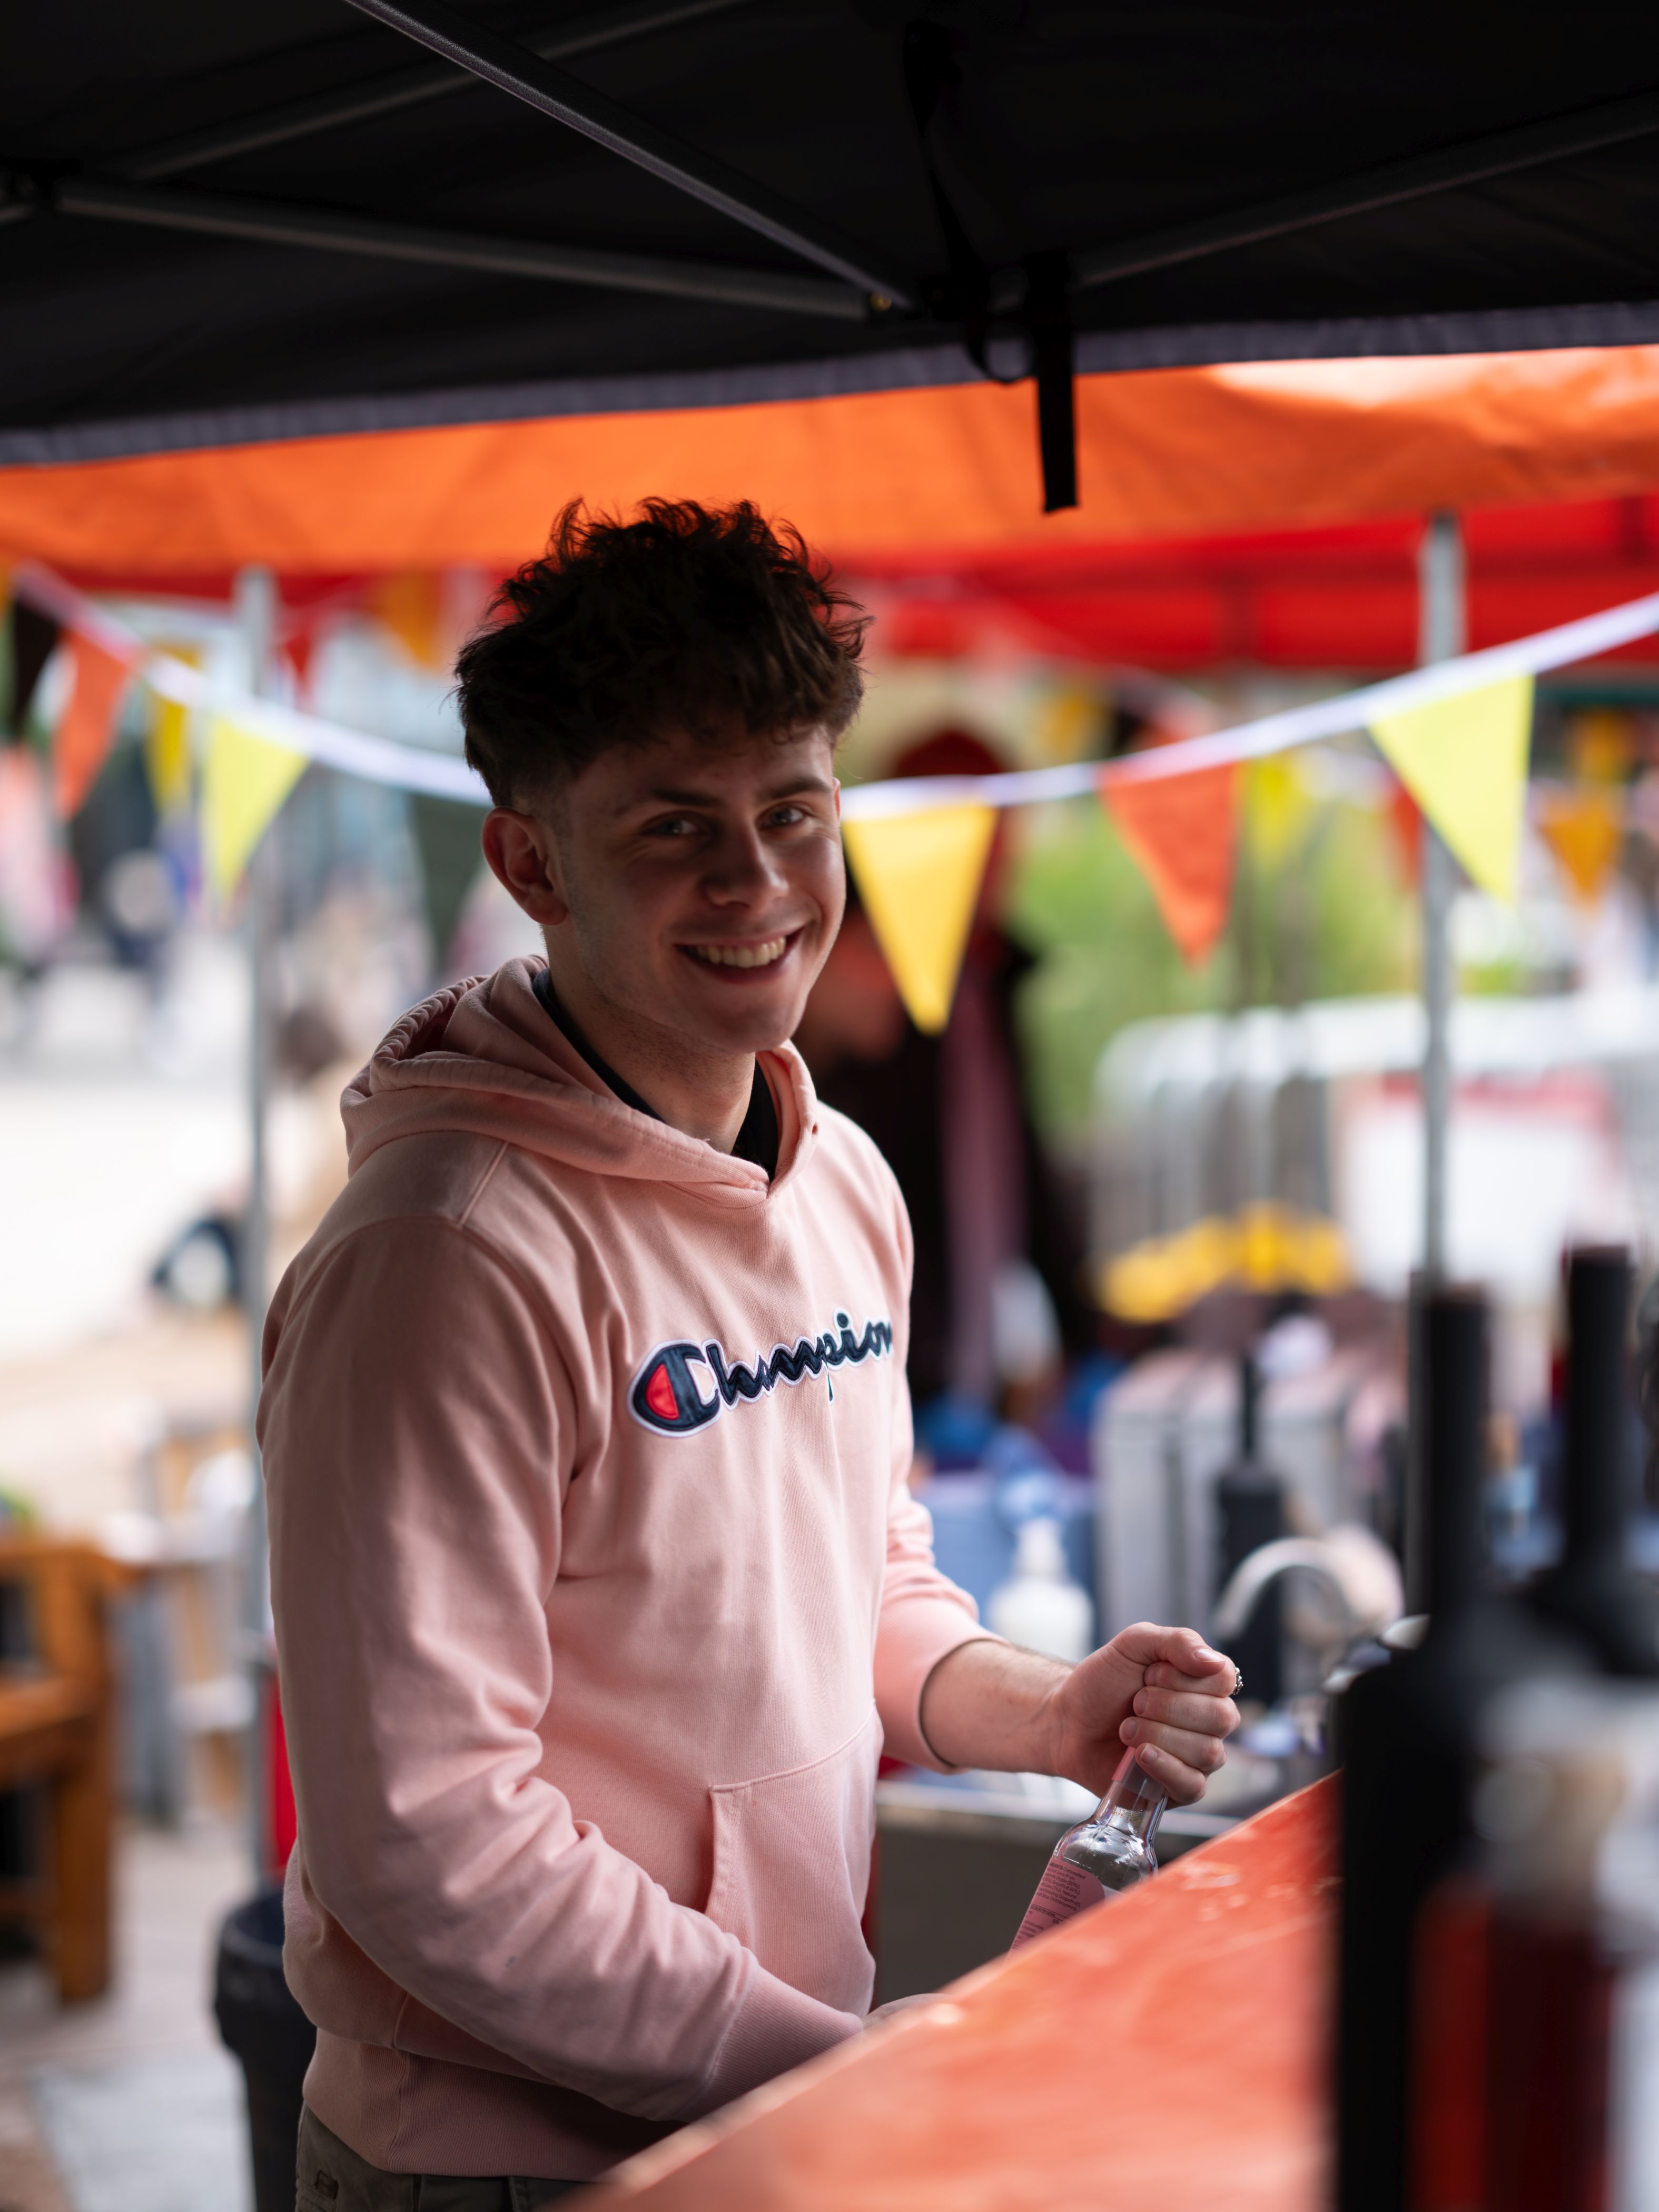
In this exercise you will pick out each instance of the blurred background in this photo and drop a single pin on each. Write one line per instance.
(1167, 1202)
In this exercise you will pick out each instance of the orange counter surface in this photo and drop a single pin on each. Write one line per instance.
(1170, 2049)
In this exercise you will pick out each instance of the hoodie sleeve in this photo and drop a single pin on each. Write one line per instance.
(924, 1615)
(415, 1535)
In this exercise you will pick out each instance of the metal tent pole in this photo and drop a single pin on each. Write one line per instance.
(256, 613)
(1441, 582)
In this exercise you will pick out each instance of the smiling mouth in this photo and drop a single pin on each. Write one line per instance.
(766, 954)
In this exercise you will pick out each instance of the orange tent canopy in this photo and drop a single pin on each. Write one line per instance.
(944, 470)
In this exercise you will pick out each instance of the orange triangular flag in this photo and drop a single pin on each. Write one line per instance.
(411, 607)
(1585, 831)
(86, 728)
(1184, 831)
(1405, 819)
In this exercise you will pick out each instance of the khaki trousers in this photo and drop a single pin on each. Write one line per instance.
(331, 2179)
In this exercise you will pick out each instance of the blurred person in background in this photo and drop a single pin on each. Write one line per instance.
(597, 1582)
(996, 1303)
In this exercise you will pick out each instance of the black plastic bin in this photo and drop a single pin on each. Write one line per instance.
(261, 2021)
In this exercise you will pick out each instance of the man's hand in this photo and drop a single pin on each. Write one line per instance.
(1162, 1691)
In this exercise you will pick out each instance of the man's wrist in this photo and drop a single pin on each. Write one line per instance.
(989, 1703)
(1050, 1725)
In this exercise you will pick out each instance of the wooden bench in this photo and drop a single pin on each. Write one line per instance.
(1170, 2049)
(56, 1729)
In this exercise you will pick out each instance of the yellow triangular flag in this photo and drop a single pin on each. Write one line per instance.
(1279, 808)
(167, 746)
(244, 780)
(918, 877)
(1464, 761)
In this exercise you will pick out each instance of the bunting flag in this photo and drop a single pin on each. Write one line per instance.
(8, 688)
(1463, 759)
(1183, 832)
(32, 639)
(1279, 809)
(411, 606)
(446, 838)
(168, 761)
(244, 780)
(1585, 831)
(919, 876)
(86, 728)
(1405, 820)
(299, 650)
(37, 895)
(1601, 745)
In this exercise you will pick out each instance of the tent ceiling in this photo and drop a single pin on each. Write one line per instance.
(283, 217)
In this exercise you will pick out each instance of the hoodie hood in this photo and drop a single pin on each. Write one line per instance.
(482, 1057)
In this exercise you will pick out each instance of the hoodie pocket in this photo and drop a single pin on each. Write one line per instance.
(792, 1864)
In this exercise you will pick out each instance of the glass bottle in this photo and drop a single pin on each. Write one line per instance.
(1111, 1851)
(1593, 1595)
(1410, 1734)
(1568, 1809)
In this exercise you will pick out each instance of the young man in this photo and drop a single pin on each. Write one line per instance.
(598, 1584)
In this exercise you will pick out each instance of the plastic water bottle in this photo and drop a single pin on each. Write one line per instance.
(1109, 1852)
(1041, 1607)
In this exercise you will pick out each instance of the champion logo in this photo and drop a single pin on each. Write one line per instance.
(668, 1397)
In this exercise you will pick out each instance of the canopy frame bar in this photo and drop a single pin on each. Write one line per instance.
(277, 224)
(1499, 152)
(515, 69)
(381, 93)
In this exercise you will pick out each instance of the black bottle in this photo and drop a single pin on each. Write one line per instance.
(1408, 1732)
(1593, 1595)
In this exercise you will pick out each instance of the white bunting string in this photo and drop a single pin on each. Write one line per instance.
(381, 760)
(355, 752)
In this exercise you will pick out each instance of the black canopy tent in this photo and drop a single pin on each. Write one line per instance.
(279, 219)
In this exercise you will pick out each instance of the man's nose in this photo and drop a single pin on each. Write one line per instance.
(741, 869)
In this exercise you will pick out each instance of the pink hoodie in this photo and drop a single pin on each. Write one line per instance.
(597, 1587)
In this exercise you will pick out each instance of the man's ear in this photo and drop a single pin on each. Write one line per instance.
(524, 859)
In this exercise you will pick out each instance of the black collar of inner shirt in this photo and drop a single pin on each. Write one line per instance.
(757, 1139)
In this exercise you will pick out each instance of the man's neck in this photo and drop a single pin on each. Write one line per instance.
(703, 1095)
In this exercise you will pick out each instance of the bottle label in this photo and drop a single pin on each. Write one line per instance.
(1063, 1891)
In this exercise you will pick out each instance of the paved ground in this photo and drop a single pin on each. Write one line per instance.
(131, 2103)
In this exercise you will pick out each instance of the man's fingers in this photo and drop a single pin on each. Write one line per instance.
(1190, 1746)
(1216, 1717)
(1218, 1683)
(1181, 1650)
(1185, 1783)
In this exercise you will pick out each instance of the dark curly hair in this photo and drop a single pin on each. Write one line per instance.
(686, 617)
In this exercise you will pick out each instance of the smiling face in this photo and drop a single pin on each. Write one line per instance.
(690, 891)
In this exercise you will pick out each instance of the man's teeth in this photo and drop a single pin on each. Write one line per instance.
(742, 956)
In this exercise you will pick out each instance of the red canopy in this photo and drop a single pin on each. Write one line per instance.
(1324, 598)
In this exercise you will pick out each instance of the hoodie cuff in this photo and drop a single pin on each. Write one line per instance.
(914, 1635)
(776, 2028)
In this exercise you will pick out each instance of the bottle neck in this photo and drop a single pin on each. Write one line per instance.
(1249, 1408)
(1136, 1802)
(1453, 1382)
(1597, 1438)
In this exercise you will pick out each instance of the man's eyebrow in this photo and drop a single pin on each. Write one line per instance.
(794, 787)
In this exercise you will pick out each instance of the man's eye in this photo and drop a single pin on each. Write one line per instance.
(677, 825)
(784, 817)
